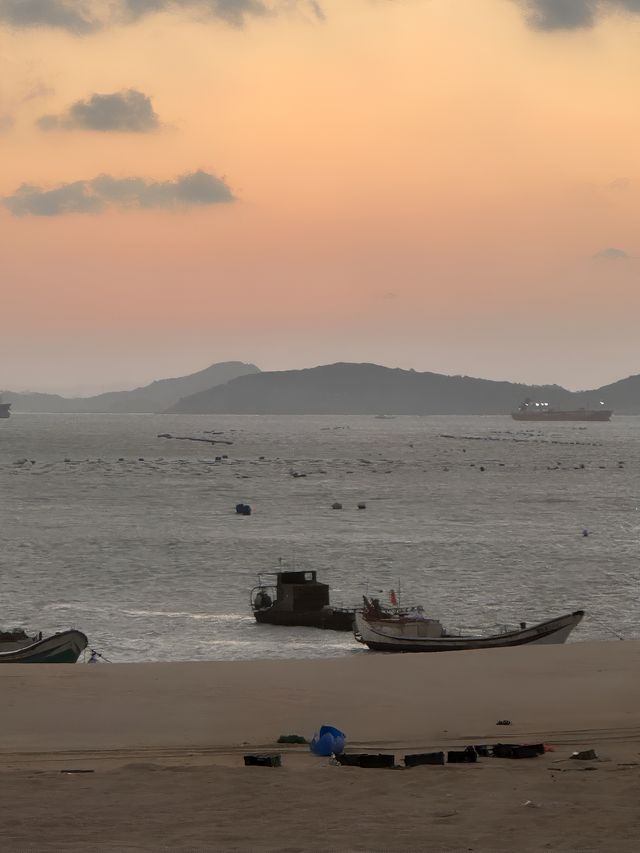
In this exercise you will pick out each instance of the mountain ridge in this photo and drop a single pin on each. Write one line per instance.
(364, 388)
(154, 397)
(342, 388)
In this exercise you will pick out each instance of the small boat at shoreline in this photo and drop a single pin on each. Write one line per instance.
(382, 632)
(63, 647)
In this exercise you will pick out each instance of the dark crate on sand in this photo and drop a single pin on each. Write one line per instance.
(516, 750)
(424, 758)
(263, 759)
(462, 756)
(365, 759)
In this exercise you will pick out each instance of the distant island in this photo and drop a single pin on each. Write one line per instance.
(155, 397)
(333, 389)
(360, 389)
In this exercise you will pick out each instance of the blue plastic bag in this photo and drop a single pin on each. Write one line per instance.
(327, 741)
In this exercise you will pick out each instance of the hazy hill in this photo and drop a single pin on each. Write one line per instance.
(622, 396)
(366, 389)
(156, 397)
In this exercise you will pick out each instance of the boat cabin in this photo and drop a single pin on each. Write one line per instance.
(290, 590)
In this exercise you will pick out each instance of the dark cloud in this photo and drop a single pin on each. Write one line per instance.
(129, 111)
(552, 15)
(69, 198)
(234, 12)
(195, 189)
(611, 254)
(76, 16)
(84, 16)
(317, 10)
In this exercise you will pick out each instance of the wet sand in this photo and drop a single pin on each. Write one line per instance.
(165, 744)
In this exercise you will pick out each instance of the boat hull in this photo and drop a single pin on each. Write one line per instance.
(327, 618)
(65, 647)
(597, 415)
(383, 636)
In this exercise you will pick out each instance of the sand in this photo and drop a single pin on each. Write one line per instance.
(165, 744)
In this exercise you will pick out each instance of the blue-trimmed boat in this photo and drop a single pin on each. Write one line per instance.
(63, 647)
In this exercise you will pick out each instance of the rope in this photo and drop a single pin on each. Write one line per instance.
(607, 628)
(98, 655)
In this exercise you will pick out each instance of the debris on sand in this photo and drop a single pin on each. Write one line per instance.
(585, 755)
(193, 438)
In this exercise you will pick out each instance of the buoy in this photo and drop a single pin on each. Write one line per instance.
(243, 509)
(585, 532)
(362, 505)
(336, 505)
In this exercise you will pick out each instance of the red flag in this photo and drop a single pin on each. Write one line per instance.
(393, 598)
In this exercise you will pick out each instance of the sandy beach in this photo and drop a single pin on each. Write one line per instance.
(165, 744)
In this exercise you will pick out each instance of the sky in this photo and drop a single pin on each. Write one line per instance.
(445, 185)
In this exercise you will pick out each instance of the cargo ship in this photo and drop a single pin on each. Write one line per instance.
(531, 411)
(5, 409)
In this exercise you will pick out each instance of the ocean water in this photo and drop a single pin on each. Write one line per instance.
(134, 538)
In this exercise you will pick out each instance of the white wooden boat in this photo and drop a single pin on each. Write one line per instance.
(64, 647)
(411, 634)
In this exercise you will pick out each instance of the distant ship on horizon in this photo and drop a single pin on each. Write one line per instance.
(5, 409)
(536, 411)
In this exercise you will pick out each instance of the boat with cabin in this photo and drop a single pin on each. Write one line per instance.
(297, 598)
(17, 646)
(381, 631)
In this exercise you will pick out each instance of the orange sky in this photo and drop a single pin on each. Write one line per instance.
(420, 184)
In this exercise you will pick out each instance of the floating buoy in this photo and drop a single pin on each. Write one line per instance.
(362, 505)
(243, 509)
(585, 532)
(336, 505)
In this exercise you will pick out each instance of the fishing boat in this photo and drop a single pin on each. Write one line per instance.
(536, 411)
(63, 647)
(5, 409)
(383, 632)
(297, 598)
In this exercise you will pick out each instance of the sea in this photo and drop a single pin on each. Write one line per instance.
(109, 526)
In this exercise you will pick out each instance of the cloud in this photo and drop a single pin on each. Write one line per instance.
(317, 10)
(619, 185)
(549, 15)
(128, 111)
(75, 16)
(233, 12)
(195, 189)
(38, 90)
(6, 123)
(85, 16)
(611, 254)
